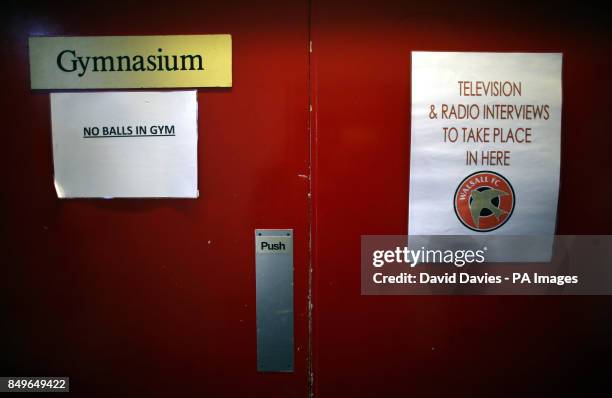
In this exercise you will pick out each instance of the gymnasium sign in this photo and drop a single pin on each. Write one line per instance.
(485, 143)
(109, 62)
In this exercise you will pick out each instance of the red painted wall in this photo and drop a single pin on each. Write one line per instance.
(145, 297)
(368, 346)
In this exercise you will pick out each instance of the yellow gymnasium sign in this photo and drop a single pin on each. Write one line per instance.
(130, 62)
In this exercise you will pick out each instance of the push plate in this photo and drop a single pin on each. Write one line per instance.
(274, 290)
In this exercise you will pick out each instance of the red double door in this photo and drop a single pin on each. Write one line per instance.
(157, 297)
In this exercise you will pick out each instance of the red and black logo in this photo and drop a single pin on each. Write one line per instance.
(484, 201)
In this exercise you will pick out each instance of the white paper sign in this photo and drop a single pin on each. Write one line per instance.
(485, 143)
(125, 144)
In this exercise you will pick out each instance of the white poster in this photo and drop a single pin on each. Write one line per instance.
(485, 144)
(125, 144)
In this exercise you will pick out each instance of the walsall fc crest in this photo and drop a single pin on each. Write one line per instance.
(484, 201)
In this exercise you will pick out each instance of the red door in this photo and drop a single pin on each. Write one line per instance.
(156, 297)
(149, 297)
(402, 346)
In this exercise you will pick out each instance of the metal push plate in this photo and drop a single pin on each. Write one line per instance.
(274, 305)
